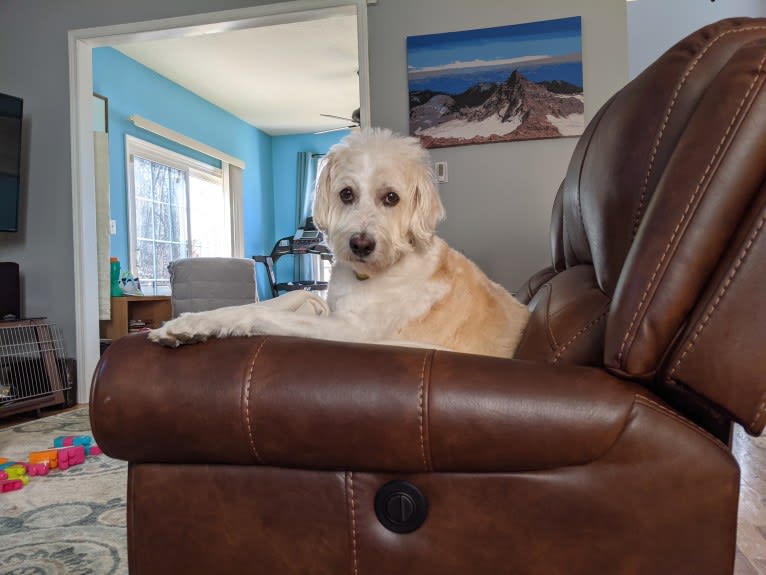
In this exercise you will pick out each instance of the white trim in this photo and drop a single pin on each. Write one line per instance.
(220, 21)
(83, 216)
(237, 213)
(365, 120)
(174, 159)
(81, 42)
(179, 138)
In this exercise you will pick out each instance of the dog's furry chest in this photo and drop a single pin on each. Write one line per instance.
(381, 306)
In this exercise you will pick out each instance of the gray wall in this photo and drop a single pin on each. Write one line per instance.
(655, 25)
(499, 196)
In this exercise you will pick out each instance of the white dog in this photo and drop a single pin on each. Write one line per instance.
(393, 281)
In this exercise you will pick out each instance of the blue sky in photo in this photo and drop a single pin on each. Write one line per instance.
(451, 62)
(548, 37)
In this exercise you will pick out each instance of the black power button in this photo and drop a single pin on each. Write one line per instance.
(400, 506)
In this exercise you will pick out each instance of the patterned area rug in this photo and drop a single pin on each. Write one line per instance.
(68, 522)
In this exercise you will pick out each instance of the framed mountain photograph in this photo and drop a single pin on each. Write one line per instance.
(518, 82)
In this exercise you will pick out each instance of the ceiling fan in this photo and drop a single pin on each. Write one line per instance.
(353, 122)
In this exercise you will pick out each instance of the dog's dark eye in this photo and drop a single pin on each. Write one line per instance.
(346, 195)
(391, 199)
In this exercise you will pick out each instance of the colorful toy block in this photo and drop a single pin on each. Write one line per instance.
(7, 485)
(13, 470)
(48, 457)
(36, 469)
(68, 450)
(86, 441)
(70, 440)
(69, 456)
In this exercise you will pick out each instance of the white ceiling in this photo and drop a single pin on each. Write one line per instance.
(278, 78)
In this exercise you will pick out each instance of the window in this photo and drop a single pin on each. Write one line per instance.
(179, 207)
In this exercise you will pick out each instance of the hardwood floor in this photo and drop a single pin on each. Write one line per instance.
(751, 532)
(17, 418)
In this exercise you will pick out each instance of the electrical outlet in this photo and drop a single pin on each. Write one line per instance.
(441, 172)
(113, 227)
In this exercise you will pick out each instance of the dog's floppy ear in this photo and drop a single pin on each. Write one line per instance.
(428, 210)
(321, 211)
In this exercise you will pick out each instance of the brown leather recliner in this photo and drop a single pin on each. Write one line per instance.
(602, 448)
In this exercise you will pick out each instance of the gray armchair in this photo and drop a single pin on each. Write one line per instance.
(201, 284)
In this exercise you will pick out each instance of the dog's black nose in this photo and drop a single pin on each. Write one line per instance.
(361, 244)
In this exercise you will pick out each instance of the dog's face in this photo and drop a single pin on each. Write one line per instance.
(376, 199)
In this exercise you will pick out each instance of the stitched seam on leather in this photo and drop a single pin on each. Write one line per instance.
(350, 494)
(425, 444)
(651, 404)
(548, 331)
(685, 212)
(719, 297)
(571, 340)
(666, 118)
(246, 407)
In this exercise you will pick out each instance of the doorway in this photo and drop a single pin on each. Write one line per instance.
(81, 44)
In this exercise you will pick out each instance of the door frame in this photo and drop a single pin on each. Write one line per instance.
(81, 44)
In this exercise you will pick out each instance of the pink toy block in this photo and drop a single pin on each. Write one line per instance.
(37, 469)
(95, 450)
(69, 456)
(7, 485)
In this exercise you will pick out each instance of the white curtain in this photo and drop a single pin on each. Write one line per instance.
(308, 165)
(232, 179)
(101, 162)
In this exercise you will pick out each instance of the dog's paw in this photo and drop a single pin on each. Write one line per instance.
(162, 337)
(182, 330)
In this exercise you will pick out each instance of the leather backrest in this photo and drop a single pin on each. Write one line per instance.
(661, 199)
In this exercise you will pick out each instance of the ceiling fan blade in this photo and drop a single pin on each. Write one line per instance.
(338, 117)
(335, 129)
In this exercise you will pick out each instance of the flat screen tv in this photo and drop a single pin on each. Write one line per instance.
(10, 161)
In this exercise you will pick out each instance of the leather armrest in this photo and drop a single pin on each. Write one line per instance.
(314, 404)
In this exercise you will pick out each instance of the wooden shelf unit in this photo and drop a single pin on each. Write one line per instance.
(151, 309)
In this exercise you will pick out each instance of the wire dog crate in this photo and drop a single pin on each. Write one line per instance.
(33, 367)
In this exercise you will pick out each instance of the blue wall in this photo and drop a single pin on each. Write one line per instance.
(135, 89)
(270, 176)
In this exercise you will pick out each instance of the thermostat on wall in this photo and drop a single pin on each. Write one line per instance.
(441, 172)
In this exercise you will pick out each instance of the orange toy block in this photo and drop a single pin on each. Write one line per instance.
(49, 457)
